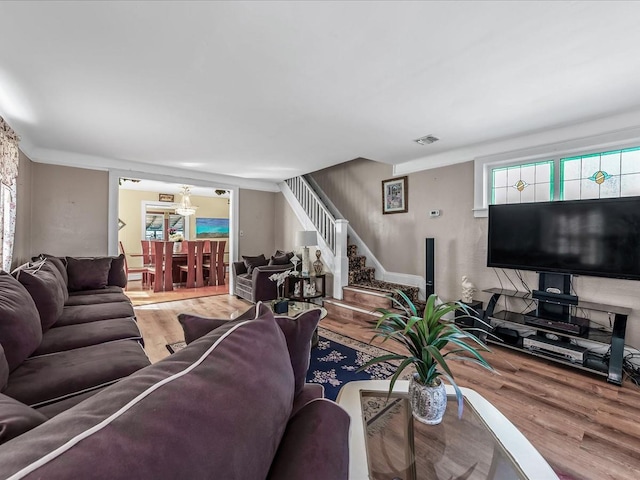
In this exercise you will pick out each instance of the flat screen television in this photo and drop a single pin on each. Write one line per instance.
(584, 237)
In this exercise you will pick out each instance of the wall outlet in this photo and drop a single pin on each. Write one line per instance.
(434, 213)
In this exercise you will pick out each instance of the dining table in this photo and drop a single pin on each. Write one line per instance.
(179, 257)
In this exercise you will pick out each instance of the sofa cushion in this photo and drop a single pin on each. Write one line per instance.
(117, 274)
(17, 418)
(305, 451)
(88, 273)
(48, 378)
(100, 291)
(92, 299)
(20, 329)
(81, 335)
(253, 262)
(204, 393)
(74, 314)
(4, 369)
(46, 290)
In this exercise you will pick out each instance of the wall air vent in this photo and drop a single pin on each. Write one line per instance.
(426, 140)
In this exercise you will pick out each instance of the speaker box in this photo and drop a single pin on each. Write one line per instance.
(430, 269)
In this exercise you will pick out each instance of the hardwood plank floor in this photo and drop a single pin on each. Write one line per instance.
(582, 425)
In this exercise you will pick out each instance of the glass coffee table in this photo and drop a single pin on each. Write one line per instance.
(386, 443)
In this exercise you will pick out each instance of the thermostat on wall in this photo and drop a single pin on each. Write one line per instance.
(434, 213)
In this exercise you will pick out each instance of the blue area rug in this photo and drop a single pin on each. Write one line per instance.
(336, 359)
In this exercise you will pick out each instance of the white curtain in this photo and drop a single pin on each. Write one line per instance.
(8, 175)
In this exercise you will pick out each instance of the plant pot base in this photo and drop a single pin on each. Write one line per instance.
(428, 404)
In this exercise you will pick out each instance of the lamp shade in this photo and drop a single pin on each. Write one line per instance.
(306, 238)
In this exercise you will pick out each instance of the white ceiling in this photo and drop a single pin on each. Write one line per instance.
(270, 90)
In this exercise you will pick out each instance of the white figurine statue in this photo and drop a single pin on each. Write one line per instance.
(468, 289)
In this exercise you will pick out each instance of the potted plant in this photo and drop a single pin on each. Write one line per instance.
(425, 338)
(281, 304)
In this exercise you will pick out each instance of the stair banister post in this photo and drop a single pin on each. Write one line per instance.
(341, 273)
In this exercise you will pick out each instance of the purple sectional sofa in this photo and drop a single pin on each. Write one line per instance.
(67, 331)
(231, 405)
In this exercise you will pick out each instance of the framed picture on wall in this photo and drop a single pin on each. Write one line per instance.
(212, 227)
(395, 198)
(165, 197)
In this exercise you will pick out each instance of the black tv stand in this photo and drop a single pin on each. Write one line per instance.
(567, 329)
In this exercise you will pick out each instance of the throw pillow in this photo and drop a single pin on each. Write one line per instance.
(117, 273)
(280, 253)
(17, 418)
(59, 262)
(253, 262)
(281, 260)
(50, 265)
(298, 331)
(88, 273)
(46, 291)
(20, 329)
(195, 326)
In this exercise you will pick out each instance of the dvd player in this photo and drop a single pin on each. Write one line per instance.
(577, 325)
(554, 348)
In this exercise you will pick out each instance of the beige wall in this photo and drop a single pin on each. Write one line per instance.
(22, 242)
(257, 223)
(69, 210)
(130, 212)
(460, 239)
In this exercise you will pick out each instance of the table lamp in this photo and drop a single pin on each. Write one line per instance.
(305, 239)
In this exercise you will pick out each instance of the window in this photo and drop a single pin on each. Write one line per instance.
(601, 175)
(530, 182)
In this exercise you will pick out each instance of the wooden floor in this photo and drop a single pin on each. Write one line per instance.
(583, 426)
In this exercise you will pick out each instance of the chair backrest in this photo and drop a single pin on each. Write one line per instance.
(147, 253)
(126, 266)
(163, 260)
(220, 266)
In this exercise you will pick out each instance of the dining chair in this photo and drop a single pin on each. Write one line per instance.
(194, 266)
(128, 270)
(162, 269)
(209, 262)
(147, 254)
(220, 265)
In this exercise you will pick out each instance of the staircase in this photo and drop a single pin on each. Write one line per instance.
(364, 294)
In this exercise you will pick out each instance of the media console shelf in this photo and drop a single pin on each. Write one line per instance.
(567, 330)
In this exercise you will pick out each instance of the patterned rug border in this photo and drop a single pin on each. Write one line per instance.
(355, 344)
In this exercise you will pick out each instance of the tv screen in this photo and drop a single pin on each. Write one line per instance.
(587, 237)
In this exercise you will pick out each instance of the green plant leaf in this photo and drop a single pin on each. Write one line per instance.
(459, 397)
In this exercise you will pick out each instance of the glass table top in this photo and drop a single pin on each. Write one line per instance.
(401, 448)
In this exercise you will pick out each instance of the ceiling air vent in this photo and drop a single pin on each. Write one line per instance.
(426, 140)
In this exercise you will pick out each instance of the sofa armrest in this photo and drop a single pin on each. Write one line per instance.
(315, 445)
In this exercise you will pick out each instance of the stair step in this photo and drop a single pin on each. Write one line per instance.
(362, 276)
(357, 262)
(349, 312)
(366, 297)
(352, 250)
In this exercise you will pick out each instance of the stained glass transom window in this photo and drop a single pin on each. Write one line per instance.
(531, 182)
(601, 175)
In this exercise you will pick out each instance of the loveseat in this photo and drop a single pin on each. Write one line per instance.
(67, 330)
(231, 405)
(251, 276)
